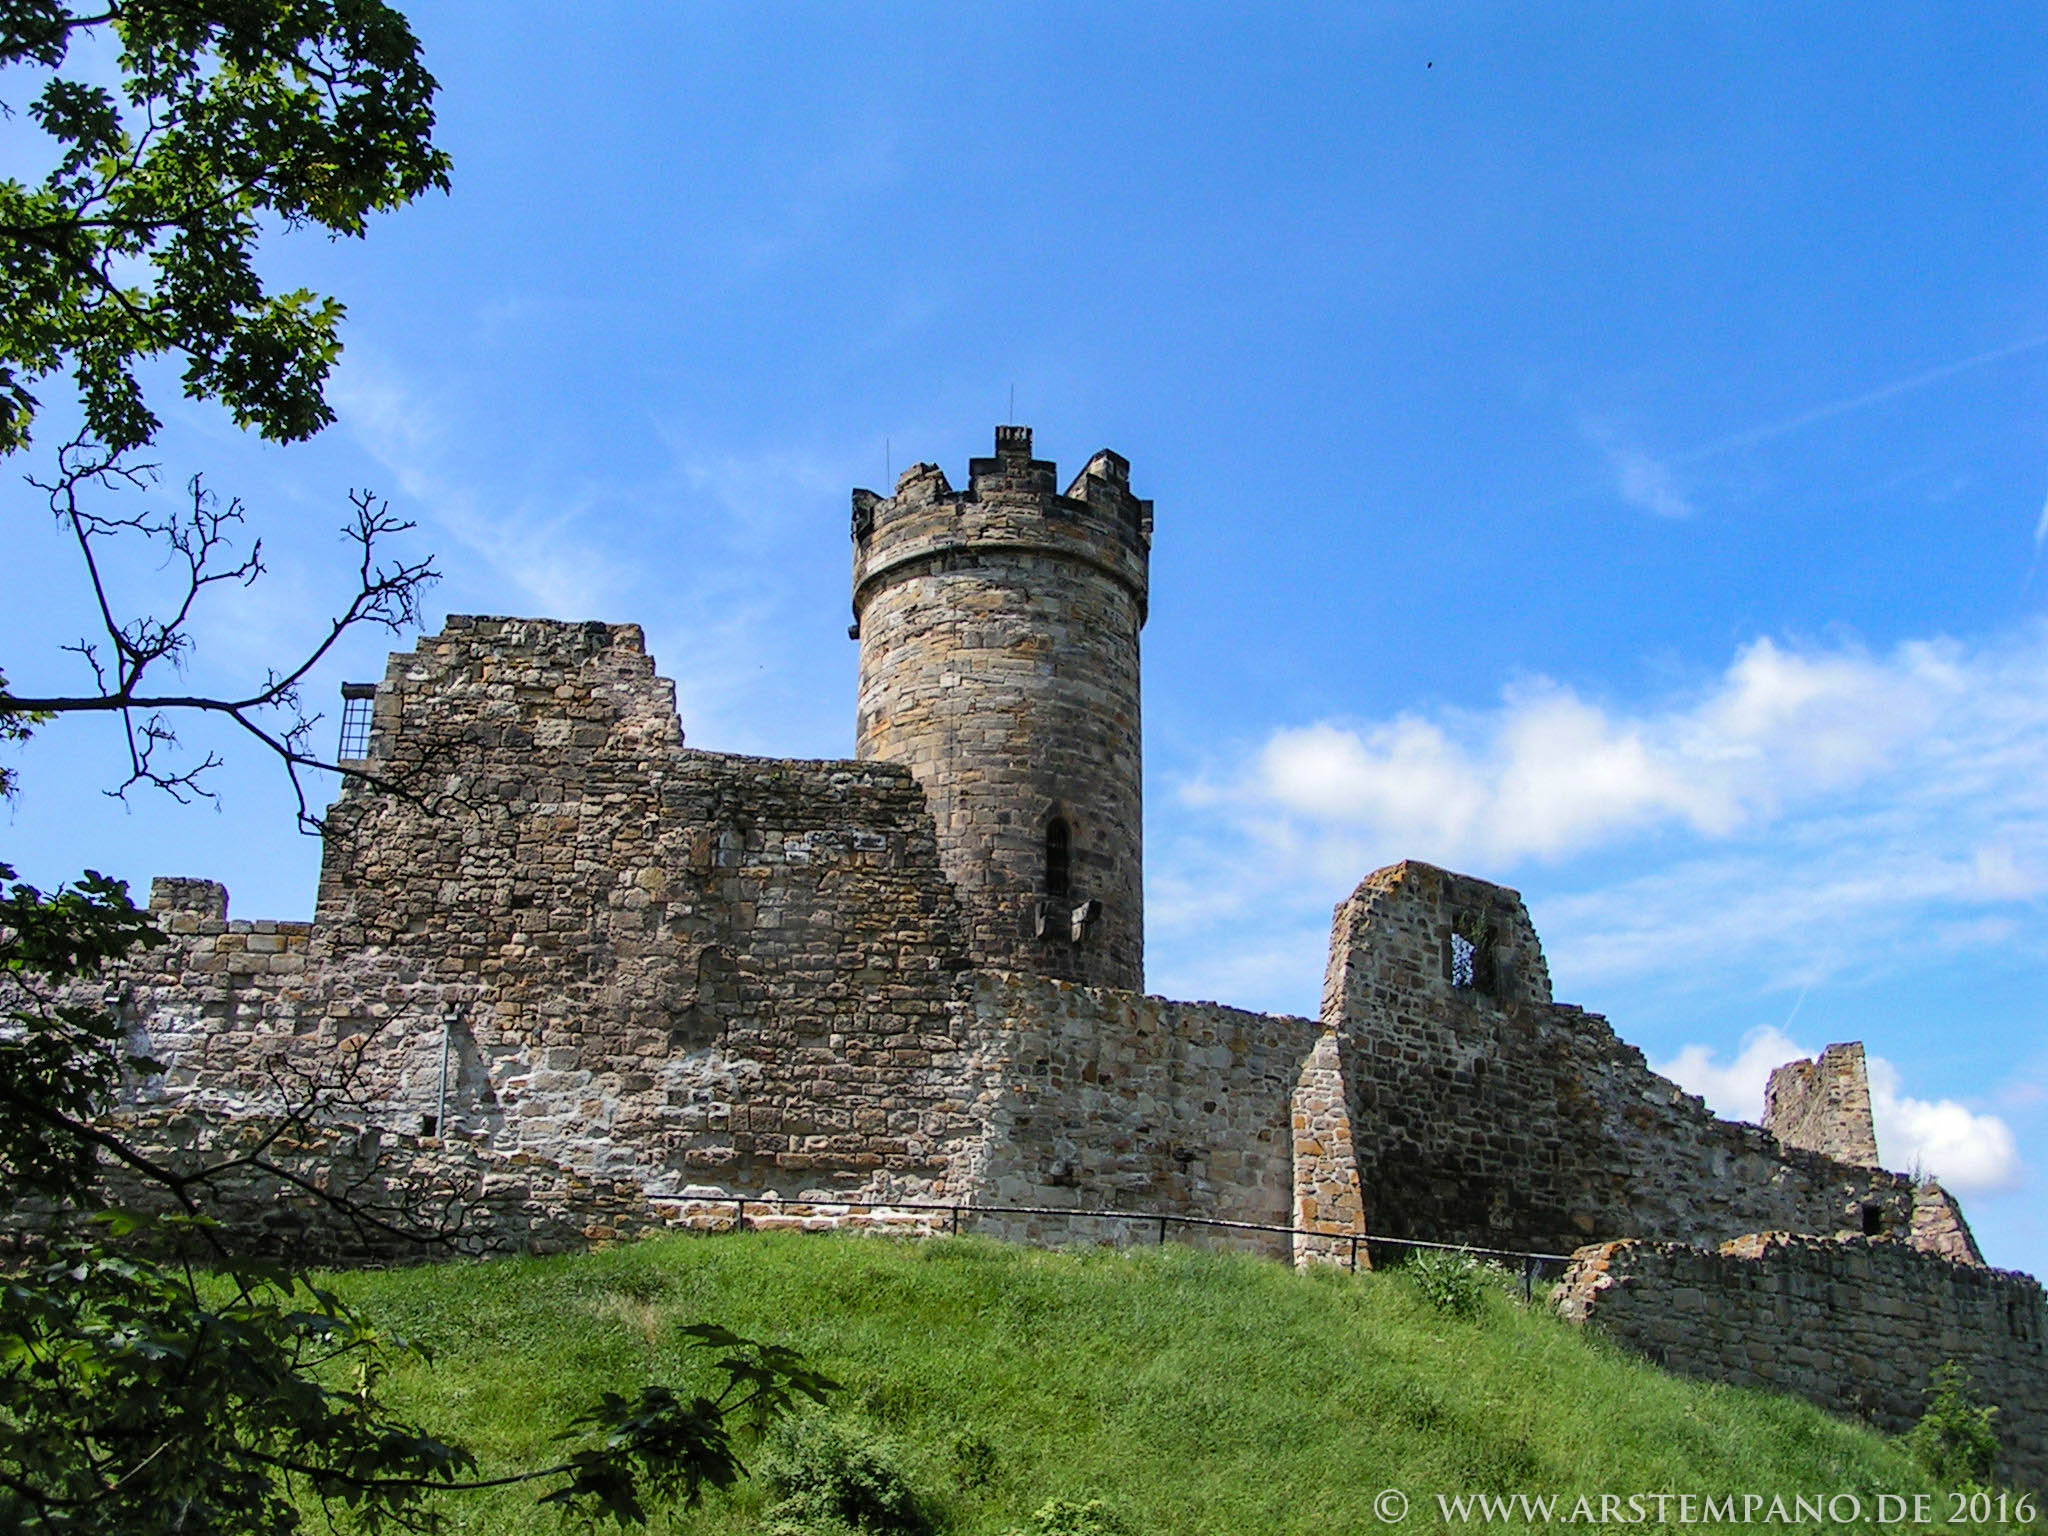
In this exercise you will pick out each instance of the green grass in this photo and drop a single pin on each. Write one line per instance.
(1196, 1393)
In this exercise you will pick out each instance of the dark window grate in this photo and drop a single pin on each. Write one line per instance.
(356, 702)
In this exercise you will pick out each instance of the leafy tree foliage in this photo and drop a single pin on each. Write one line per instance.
(833, 1477)
(229, 115)
(224, 120)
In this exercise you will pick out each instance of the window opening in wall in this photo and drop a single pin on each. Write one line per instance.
(1469, 958)
(1873, 1220)
(1059, 858)
(356, 702)
(1464, 961)
(429, 1124)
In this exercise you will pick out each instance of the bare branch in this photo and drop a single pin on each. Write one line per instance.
(198, 538)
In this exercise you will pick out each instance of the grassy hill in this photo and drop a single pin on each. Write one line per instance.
(1193, 1393)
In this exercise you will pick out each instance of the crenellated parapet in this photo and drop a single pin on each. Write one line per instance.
(1012, 505)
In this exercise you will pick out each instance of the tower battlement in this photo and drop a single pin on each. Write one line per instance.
(1011, 499)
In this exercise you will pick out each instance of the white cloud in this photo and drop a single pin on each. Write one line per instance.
(1969, 1152)
(1550, 773)
(1812, 812)
(1733, 1090)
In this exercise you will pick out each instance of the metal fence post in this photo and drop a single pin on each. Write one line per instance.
(1162, 1231)
(956, 1221)
(1354, 1253)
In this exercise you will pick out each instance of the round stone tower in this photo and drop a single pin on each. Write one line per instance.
(998, 631)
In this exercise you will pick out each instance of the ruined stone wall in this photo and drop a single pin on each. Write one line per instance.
(214, 1003)
(702, 976)
(1485, 1113)
(1329, 1199)
(998, 635)
(335, 1192)
(1857, 1326)
(682, 966)
(1824, 1106)
(1092, 1098)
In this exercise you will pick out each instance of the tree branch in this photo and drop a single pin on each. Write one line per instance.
(199, 537)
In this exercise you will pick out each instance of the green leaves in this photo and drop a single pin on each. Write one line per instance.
(671, 1447)
(1955, 1439)
(131, 1400)
(140, 240)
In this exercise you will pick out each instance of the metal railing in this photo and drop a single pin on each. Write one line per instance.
(1528, 1262)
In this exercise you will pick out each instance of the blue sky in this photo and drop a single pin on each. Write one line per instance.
(1602, 450)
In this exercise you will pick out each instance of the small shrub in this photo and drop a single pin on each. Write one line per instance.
(832, 1476)
(1954, 1439)
(974, 1460)
(1065, 1517)
(1454, 1283)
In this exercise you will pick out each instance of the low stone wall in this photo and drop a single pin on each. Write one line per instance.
(1099, 1099)
(345, 1194)
(1855, 1325)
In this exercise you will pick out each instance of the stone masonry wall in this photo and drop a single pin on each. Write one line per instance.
(1096, 1099)
(685, 967)
(1824, 1106)
(1485, 1113)
(217, 1001)
(1329, 1201)
(341, 1193)
(1855, 1325)
(700, 976)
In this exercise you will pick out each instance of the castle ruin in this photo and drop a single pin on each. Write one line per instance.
(582, 980)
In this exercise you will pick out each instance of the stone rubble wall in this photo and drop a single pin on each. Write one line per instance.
(1824, 1106)
(340, 1193)
(1329, 1201)
(1939, 1227)
(686, 967)
(695, 974)
(1853, 1324)
(703, 976)
(1488, 1114)
(218, 1001)
(1096, 1099)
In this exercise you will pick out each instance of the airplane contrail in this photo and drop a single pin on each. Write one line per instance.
(1907, 385)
